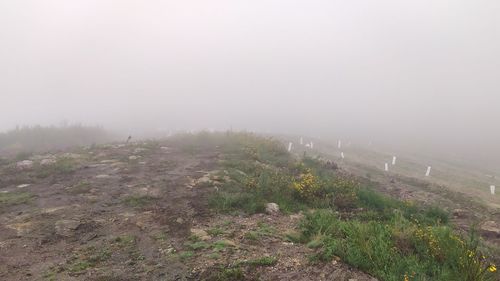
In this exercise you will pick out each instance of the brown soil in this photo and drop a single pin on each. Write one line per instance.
(111, 217)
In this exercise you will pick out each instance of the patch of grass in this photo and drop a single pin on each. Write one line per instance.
(15, 198)
(88, 258)
(186, 255)
(215, 231)
(125, 240)
(214, 256)
(265, 228)
(138, 201)
(50, 275)
(63, 166)
(80, 266)
(397, 250)
(222, 244)
(161, 236)
(80, 188)
(264, 261)
(198, 245)
(227, 274)
(252, 235)
(293, 236)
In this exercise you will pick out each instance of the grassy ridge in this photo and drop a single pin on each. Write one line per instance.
(390, 239)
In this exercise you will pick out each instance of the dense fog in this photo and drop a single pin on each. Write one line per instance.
(422, 75)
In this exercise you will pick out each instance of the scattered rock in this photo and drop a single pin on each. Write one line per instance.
(200, 233)
(23, 185)
(272, 208)
(71, 155)
(48, 161)
(144, 220)
(460, 213)
(25, 165)
(102, 176)
(139, 150)
(21, 228)
(490, 229)
(180, 221)
(297, 216)
(67, 228)
(133, 157)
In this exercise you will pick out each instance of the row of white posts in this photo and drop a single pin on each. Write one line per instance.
(386, 165)
(301, 141)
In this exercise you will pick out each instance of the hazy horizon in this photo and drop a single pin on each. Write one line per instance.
(422, 75)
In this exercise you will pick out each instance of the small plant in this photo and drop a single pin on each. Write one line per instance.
(186, 255)
(252, 235)
(216, 231)
(15, 198)
(198, 245)
(307, 185)
(88, 258)
(125, 240)
(138, 201)
(264, 261)
(80, 188)
(222, 244)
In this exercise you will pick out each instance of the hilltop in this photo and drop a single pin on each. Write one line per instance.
(220, 206)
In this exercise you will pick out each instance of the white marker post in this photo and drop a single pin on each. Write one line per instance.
(301, 141)
(312, 145)
(290, 146)
(339, 144)
(342, 155)
(386, 167)
(428, 173)
(492, 189)
(393, 160)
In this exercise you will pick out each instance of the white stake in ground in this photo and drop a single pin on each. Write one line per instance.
(342, 155)
(492, 189)
(386, 168)
(301, 141)
(290, 146)
(312, 145)
(393, 160)
(339, 144)
(428, 173)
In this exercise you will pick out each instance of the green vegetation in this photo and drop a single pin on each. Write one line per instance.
(388, 238)
(125, 240)
(216, 231)
(264, 261)
(14, 198)
(396, 249)
(62, 166)
(228, 274)
(88, 258)
(80, 188)
(138, 201)
(186, 255)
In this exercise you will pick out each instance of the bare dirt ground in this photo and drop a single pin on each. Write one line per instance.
(139, 212)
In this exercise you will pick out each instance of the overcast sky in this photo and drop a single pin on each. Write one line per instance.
(426, 69)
